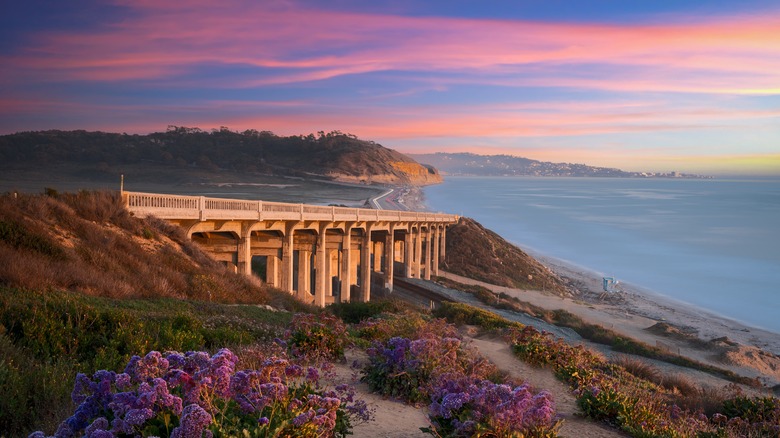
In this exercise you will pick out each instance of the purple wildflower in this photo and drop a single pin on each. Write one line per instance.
(194, 420)
(137, 417)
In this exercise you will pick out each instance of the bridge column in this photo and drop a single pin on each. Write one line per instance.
(428, 251)
(443, 242)
(304, 275)
(389, 259)
(321, 281)
(288, 267)
(244, 253)
(408, 254)
(365, 265)
(377, 253)
(436, 244)
(271, 269)
(346, 264)
(417, 253)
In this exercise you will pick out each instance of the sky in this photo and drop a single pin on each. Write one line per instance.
(664, 85)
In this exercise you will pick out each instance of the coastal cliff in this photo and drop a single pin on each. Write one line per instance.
(208, 155)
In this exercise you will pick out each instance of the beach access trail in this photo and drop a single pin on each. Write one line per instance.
(753, 351)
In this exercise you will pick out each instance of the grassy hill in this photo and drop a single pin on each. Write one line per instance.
(336, 156)
(476, 252)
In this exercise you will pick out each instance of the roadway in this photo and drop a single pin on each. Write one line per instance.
(390, 199)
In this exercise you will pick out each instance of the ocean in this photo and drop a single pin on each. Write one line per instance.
(714, 244)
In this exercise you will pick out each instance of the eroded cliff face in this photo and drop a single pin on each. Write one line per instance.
(398, 173)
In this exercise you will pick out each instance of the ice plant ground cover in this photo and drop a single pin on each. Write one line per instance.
(607, 392)
(465, 395)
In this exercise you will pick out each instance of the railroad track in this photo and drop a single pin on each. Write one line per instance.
(417, 294)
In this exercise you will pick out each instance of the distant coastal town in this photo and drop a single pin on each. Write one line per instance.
(468, 164)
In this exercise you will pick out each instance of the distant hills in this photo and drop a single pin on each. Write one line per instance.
(508, 165)
(335, 155)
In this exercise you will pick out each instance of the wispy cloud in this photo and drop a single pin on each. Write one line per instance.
(288, 44)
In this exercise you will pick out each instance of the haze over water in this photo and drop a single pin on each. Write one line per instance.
(711, 243)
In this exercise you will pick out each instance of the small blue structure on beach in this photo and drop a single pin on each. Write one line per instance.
(609, 284)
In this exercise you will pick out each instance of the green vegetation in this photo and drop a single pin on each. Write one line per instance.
(459, 313)
(354, 312)
(195, 150)
(625, 396)
(47, 336)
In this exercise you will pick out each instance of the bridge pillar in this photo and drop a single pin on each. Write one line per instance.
(304, 275)
(321, 281)
(271, 270)
(365, 265)
(244, 256)
(377, 255)
(288, 267)
(443, 242)
(428, 251)
(346, 264)
(416, 264)
(389, 259)
(408, 255)
(436, 244)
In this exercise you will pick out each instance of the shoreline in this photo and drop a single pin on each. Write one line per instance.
(661, 308)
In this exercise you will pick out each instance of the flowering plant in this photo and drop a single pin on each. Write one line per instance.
(454, 380)
(465, 407)
(197, 395)
(316, 338)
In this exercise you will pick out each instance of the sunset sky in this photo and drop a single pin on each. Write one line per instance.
(664, 85)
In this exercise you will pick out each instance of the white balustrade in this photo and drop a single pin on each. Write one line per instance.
(198, 207)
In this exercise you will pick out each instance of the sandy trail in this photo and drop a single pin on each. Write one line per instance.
(392, 418)
(574, 425)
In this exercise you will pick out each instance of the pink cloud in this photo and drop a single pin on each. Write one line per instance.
(289, 44)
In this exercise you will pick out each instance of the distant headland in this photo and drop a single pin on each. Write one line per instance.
(469, 164)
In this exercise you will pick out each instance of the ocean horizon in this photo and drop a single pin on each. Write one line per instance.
(709, 243)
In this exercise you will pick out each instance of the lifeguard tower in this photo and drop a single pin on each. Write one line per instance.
(609, 284)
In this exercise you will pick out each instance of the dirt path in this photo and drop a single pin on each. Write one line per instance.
(574, 426)
(392, 419)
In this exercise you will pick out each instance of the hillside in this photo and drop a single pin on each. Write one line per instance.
(335, 156)
(476, 252)
(89, 243)
(469, 164)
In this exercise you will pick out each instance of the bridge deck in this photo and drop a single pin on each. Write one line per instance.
(203, 208)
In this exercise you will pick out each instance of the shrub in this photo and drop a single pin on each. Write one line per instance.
(459, 313)
(316, 338)
(639, 368)
(405, 369)
(753, 409)
(18, 236)
(356, 311)
(468, 407)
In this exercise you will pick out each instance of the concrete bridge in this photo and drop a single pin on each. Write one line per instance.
(320, 254)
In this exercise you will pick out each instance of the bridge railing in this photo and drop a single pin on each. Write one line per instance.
(203, 208)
